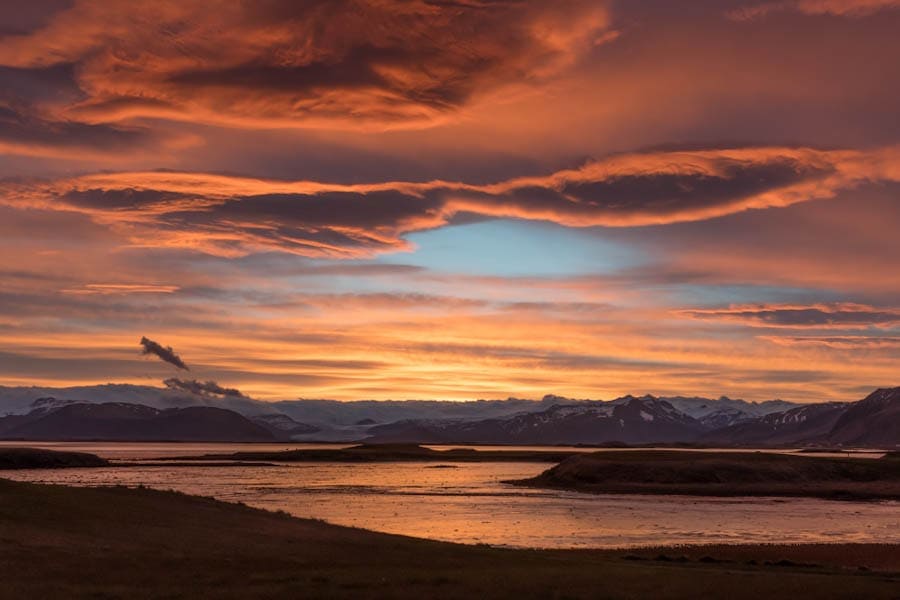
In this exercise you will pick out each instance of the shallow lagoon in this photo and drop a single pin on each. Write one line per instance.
(467, 502)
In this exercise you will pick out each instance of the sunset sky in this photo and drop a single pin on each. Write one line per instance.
(453, 199)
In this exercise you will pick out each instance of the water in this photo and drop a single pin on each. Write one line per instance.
(148, 450)
(467, 502)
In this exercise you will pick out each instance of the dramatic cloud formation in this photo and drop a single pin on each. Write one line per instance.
(851, 8)
(233, 216)
(200, 388)
(344, 64)
(31, 124)
(163, 353)
(837, 315)
(452, 199)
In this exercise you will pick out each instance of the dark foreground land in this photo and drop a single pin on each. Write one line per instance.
(58, 541)
(389, 453)
(724, 474)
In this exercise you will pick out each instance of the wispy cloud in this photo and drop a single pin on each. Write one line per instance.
(839, 342)
(120, 288)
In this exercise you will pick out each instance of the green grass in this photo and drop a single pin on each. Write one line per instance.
(67, 542)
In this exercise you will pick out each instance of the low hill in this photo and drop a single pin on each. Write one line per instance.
(366, 453)
(35, 458)
(723, 474)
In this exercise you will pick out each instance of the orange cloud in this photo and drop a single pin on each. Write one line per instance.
(235, 216)
(120, 288)
(341, 64)
(275, 353)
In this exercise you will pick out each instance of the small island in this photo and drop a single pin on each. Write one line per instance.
(723, 474)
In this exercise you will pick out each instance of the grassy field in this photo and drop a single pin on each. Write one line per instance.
(58, 541)
(724, 474)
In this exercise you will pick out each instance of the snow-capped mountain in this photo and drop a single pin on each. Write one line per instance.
(127, 421)
(628, 420)
(873, 421)
(701, 408)
(551, 420)
(21, 400)
(283, 426)
(795, 426)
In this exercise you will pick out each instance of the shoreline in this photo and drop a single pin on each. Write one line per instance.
(722, 474)
(114, 541)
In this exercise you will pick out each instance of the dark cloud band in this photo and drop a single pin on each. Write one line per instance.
(233, 216)
(826, 316)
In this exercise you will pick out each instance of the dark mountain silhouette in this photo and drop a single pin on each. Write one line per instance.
(873, 421)
(806, 424)
(629, 420)
(124, 421)
(349, 421)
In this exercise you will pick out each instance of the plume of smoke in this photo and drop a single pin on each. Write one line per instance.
(163, 353)
(208, 388)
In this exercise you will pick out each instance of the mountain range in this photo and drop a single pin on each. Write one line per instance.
(123, 421)
(144, 413)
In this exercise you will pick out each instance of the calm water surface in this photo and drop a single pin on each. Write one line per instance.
(467, 502)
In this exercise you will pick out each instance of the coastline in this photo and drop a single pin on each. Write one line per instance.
(115, 541)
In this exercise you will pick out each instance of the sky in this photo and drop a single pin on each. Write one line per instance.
(369, 199)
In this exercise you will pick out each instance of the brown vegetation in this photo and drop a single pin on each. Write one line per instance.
(116, 542)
